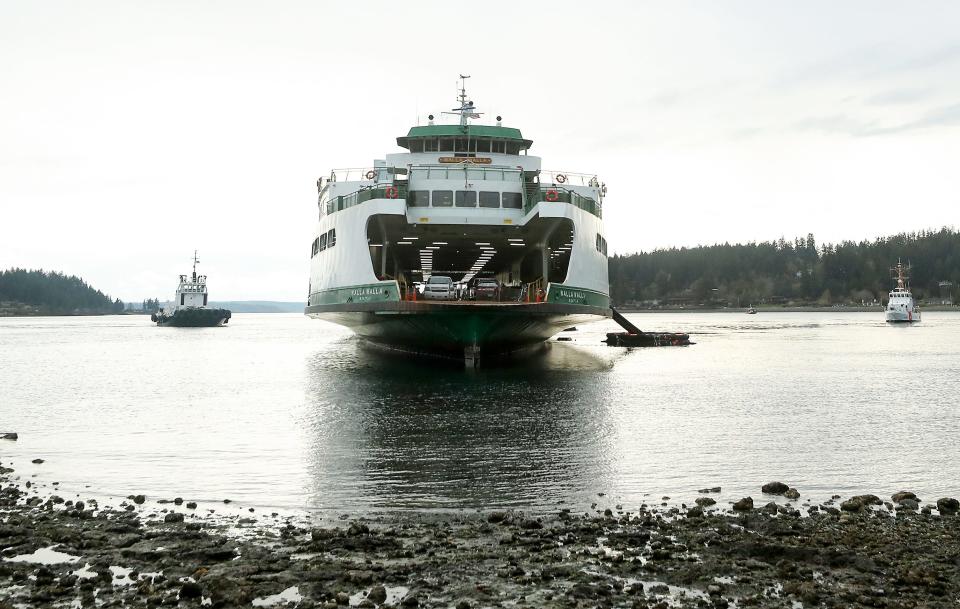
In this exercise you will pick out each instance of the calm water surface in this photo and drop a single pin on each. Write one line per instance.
(278, 411)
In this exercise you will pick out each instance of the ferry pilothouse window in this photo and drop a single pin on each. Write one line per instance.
(483, 146)
(446, 145)
(442, 198)
(512, 200)
(466, 198)
(489, 199)
(323, 242)
(419, 198)
(331, 237)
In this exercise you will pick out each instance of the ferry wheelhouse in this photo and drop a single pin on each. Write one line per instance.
(900, 306)
(466, 202)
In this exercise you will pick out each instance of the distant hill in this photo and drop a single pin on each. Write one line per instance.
(37, 292)
(798, 272)
(260, 306)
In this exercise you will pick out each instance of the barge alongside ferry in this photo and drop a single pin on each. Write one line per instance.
(467, 202)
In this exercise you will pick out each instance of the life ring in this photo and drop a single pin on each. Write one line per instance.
(370, 174)
(392, 192)
(560, 178)
(552, 195)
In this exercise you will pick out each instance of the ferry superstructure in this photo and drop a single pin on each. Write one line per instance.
(464, 201)
(900, 306)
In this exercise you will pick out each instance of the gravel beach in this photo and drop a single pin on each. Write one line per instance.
(771, 550)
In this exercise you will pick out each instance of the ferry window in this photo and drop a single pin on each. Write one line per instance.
(182, 296)
(442, 198)
(430, 145)
(512, 200)
(323, 242)
(466, 198)
(483, 146)
(416, 146)
(446, 144)
(418, 198)
(205, 300)
(498, 147)
(513, 148)
(314, 247)
(331, 237)
(489, 199)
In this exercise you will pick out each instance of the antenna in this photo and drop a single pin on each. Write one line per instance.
(195, 261)
(466, 109)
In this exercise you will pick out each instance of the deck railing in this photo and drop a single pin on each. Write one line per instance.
(564, 195)
(397, 190)
(549, 176)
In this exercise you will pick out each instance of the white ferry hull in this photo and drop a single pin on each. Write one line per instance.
(903, 317)
(461, 202)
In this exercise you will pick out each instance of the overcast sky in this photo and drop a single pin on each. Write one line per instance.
(133, 132)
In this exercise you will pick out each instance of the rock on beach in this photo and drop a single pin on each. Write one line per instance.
(775, 488)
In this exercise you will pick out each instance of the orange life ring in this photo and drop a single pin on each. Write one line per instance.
(392, 192)
(552, 195)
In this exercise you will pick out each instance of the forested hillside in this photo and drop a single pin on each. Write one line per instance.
(786, 272)
(24, 292)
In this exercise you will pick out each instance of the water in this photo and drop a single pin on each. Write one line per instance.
(282, 412)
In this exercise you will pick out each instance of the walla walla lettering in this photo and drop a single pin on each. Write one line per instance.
(573, 295)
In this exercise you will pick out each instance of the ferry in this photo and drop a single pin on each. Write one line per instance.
(900, 307)
(401, 245)
(190, 304)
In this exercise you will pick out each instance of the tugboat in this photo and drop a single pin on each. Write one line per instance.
(190, 305)
(900, 307)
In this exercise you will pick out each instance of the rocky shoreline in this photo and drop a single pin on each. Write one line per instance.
(787, 552)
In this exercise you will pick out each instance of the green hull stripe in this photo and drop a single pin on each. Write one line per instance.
(562, 294)
(386, 291)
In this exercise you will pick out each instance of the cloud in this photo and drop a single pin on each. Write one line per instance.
(899, 96)
(944, 116)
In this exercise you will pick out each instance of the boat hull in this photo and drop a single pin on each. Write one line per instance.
(457, 328)
(906, 317)
(193, 318)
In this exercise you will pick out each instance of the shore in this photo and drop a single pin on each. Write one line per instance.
(770, 551)
(783, 309)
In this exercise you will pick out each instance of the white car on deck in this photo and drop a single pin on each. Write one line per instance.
(440, 287)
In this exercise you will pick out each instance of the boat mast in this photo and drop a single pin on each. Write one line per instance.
(195, 261)
(466, 110)
(901, 274)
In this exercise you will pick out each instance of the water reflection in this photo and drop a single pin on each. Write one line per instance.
(391, 432)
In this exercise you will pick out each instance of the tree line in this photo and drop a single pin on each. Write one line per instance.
(54, 293)
(787, 272)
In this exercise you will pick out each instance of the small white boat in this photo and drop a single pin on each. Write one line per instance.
(751, 311)
(900, 306)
